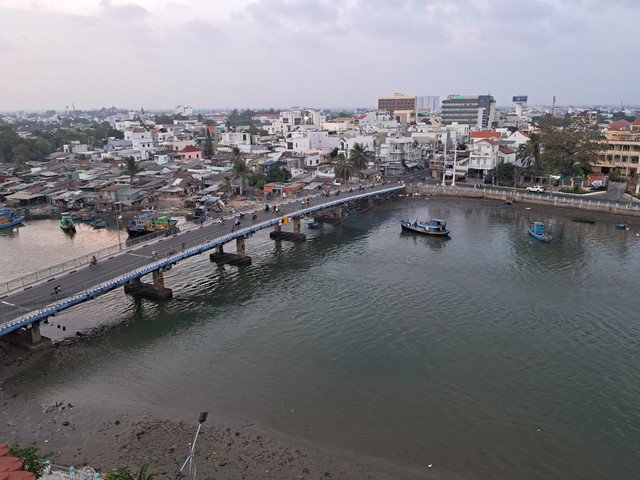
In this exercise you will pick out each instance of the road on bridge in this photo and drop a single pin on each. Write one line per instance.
(18, 303)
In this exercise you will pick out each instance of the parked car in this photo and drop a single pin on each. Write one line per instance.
(536, 188)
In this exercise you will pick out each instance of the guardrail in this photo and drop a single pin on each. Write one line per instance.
(549, 198)
(105, 283)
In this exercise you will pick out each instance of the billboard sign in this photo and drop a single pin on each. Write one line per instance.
(520, 98)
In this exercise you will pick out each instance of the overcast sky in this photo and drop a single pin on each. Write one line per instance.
(261, 53)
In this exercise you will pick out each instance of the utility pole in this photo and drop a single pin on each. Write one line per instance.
(455, 164)
(444, 160)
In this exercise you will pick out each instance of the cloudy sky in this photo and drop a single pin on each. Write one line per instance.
(261, 53)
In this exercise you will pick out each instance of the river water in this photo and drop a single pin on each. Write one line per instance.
(489, 355)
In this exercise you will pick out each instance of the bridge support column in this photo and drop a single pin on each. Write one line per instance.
(238, 259)
(294, 236)
(370, 201)
(29, 338)
(154, 291)
(339, 211)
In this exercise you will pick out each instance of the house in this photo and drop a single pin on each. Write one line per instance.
(190, 153)
(516, 139)
(483, 156)
(506, 155)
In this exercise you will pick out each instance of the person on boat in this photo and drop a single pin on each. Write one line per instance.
(94, 260)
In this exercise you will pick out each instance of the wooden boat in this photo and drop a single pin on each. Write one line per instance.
(9, 218)
(313, 225)
(98, 224)
(583, 220)
(149, 223)
(434, 227)
(87, 217)
(66, 223)
(537, 232)
(75, 216)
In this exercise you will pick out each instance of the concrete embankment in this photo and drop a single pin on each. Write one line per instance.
(564, 201)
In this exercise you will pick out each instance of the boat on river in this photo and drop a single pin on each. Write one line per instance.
(432, 227)
(9, 217)
(538, 232)
(148, 223)
(583, 220)
(66, 223)
(87, 217)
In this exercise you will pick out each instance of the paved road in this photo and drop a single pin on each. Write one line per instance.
(18, 303)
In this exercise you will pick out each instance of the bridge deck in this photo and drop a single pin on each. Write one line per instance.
(20, 308)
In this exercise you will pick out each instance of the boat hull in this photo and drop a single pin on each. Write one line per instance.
(69, 229)
(12, 223)
(411, 228)
(542, 238)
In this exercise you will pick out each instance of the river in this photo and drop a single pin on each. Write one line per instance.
(489, 355)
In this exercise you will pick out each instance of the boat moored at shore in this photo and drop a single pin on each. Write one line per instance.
(10, 218)
(148, 223)
(66, 223)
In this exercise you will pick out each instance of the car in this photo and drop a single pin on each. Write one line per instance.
(536, 188)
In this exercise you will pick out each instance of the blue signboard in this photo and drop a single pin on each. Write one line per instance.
(521, 98)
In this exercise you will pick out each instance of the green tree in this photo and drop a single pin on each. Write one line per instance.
(334, 153)
(9, 139)
(343, 168)
(568, 146)
(123, 473)
(504, 173)
(240, 168)
(278, 174)
(130, 167)
(208, 151)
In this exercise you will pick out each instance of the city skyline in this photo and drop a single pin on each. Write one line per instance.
(278, 53)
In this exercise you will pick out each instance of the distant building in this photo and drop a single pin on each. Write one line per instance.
(473, 110)
(398, 103)
(428, 104)
(622, 154)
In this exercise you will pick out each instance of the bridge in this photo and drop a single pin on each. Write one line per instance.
(26, 302)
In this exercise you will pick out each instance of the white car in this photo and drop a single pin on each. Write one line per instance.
(536, 188)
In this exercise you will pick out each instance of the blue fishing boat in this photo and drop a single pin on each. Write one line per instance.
(10, 218)
(622, 226)
(537, 232)
(432, 227)
(98, 224)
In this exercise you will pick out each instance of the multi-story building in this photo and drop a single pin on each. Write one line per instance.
(428, 104)
(623, 151)
(398, 154)
(398, 103)
(474, 110)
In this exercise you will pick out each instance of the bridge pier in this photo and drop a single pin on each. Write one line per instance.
(154, 291)
(294, 236)
(29, 338)
(238, 259)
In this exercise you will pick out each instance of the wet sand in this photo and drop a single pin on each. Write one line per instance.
(79, 436)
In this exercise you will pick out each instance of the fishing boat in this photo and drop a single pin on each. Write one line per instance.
(66, 223)
(87, 217)
(583, 220)
(313, 225)
(98, 224)
(432, 227)
(148, 223)
(537, 232)
(622, 226)
(75, 216)
(9, 218)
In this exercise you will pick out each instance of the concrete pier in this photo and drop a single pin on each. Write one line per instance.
(238, 259)
(153, 291)
(288, 236)
(29, 338)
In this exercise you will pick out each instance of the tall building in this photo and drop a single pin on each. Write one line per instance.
(399, 102)
(428, 103)
(622, 154)
(474, 110)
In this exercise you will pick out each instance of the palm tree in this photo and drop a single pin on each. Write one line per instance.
(240, 168)
(529, 153)
(343, 167)
(358, 156)
(131, 168)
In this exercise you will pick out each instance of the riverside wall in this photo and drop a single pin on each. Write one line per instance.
(578, 202)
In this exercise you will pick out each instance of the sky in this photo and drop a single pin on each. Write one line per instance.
(315, 53)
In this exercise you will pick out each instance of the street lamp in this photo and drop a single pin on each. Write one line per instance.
(191, 458)
(118, 218)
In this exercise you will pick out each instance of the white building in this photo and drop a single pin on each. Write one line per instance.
(483, 155)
